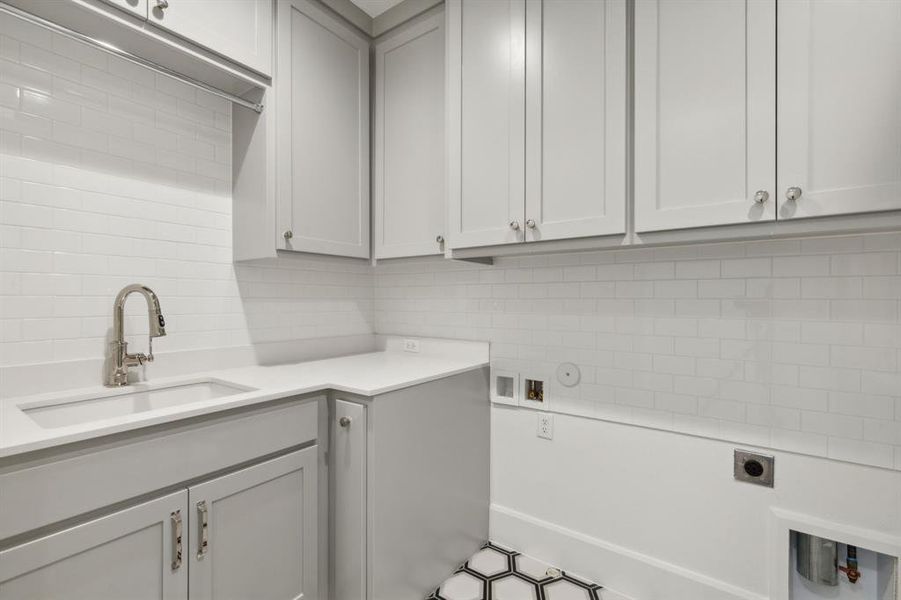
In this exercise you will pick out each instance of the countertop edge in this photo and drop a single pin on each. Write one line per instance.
(220, 405)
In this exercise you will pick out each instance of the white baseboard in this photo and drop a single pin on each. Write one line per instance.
(628, 575)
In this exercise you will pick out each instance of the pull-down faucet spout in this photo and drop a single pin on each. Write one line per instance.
(119, 358)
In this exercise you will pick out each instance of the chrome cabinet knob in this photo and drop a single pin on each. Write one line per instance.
(440, 239)
(162, 4)
(344, 422)
(793, 193)
(288, 234)
(530, 224)
(761, 196)
(514, 225)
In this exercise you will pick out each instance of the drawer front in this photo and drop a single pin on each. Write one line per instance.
(58, 488)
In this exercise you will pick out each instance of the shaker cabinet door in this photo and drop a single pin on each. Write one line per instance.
(486, 108)
(576, 118)
(839, 98)
(409, 141)
(139, 553)
(347, 463)
(254, 533)
(322, 132)
(705, 96)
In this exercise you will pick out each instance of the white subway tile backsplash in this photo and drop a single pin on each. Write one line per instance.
(836, 425)
(801, 266)
(91, 201)
(746, 267)
(789, 343)
(882, 287)
(873, 263)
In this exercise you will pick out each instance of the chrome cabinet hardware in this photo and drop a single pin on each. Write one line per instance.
(530, 224)
(288, 234)
(514, 225)
(162, 4)
(344, 422)
(793, 193)
(119, 358)
(440, 239)
(203, 532)
(761, 196)
(176, 539)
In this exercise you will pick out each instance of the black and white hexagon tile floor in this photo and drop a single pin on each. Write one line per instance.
(496, 573)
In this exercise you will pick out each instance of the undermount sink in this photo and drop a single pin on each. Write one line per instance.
(75, 410)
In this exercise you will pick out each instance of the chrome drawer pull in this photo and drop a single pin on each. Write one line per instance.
(203, 529)
(176, 539)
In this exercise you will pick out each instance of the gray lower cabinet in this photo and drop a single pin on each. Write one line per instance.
(132, 553)
(254, 532)
(409, 486)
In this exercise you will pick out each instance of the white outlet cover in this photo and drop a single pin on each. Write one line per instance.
(545, 426)
(568, 374)
(411, 345)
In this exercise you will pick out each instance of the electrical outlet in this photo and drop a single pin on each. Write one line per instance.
(546, 426)
(411, 345)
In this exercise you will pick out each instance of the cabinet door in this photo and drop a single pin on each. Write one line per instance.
(240, 30)
(486, 121)
(576, 118)
(704, 112)
(409, 147)
(254, 532)
(135, 7)
(348, 516)
(839, 97)
(133, 553)
(322, 101)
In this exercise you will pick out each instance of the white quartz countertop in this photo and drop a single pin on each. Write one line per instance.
(369, 374)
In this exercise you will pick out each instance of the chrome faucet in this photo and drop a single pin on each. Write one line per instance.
(119, 359)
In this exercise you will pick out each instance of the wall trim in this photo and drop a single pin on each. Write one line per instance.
(620, 569)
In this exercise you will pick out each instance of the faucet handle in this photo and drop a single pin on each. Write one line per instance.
(149, 356)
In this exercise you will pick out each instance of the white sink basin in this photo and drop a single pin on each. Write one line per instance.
(134, 399)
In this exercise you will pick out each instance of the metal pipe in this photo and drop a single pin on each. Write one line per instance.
(125, 55)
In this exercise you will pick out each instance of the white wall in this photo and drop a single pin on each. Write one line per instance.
(686, 353)
(110, 175)
(657, 515)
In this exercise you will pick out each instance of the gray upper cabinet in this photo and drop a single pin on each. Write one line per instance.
(839, 132)
(705, 119)
(575, 119)
(322, 132)
(254, 533)
(240, 30)
(132, 553)
(409, 141)
(537, 111)
(486, 121)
